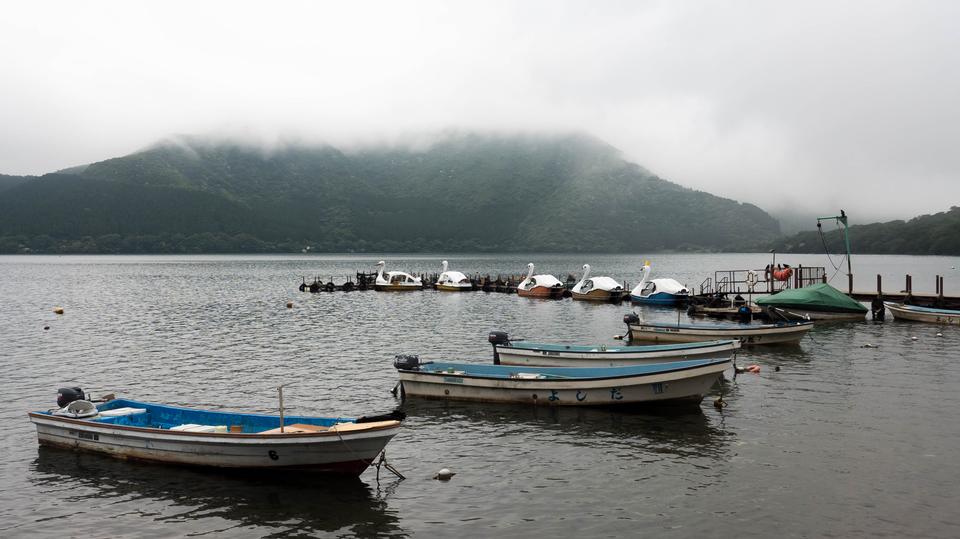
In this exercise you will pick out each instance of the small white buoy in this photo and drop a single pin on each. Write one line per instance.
(868, 345)
(444, 475)
(913, 338)
(939, 334)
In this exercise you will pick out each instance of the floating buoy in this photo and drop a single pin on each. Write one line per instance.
(444, 475)
(719, 403)
(777, 368)
(58, 310)
(46, 327)
(868, 345)
(939, 334)
(755, 369)
(289, 304)
(913, 338)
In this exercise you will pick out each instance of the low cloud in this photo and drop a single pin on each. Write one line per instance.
(807, 107)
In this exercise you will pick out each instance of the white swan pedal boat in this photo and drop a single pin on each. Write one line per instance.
(661, 383)
(507, 352)
(131, 429)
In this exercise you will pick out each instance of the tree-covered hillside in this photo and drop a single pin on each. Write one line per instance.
(9, 182)
(462, 193)
(937, 234)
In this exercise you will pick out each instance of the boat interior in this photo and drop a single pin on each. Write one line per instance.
(131, 413)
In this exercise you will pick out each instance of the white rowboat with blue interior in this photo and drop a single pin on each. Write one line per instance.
(923, 314)
(660, 383)
(507, 352)
(130, 429)
(748, 334)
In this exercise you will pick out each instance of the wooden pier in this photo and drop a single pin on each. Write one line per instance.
(723, 283)
(907, 293)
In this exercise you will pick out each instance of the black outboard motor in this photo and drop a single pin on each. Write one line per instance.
(630, 319)
(744, 314)
(66, 395)
(878, 310)
(498, 338)
(406, 362)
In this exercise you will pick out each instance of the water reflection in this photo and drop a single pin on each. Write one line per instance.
(284, 504)
(680, 431)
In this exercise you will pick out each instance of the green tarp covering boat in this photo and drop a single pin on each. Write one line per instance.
(819, 297)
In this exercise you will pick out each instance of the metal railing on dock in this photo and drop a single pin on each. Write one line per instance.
(762, 281)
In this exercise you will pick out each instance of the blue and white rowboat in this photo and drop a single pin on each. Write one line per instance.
(507, 352)
(152, 432)
(748, 334)
(663, 383)
(924, 314)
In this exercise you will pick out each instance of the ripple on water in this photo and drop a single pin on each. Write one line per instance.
(843, 440)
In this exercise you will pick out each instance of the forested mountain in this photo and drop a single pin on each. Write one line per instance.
(8, 182)
(466, 192)
(937, 234)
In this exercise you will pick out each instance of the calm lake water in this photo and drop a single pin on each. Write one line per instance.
(842, 441)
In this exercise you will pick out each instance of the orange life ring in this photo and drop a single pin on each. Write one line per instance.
(782, 274)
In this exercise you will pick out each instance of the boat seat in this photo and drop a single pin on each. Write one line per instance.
(296, 428)
(118, 412)
(344, 427)
(192, 427)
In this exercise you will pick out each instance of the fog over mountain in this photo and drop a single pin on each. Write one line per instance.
(465, 192)
(807, 107)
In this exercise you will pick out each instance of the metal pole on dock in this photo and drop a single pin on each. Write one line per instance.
(842, 219)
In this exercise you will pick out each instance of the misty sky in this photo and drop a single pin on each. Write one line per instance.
(788, 105)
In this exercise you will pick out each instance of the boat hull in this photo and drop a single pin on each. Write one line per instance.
(454, 288)
(766, 334)
(614, 356)
(598, 295)
(687, 386)
(660, 298)
(920, 314)
(808, 314)
(553, 292)
(341, 453)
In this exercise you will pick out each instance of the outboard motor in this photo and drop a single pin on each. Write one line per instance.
(631, 318)
(498, 338)
(744, 314)
(66, 395)
(406, 362)
(878, 310)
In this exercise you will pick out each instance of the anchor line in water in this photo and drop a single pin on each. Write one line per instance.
(377, 464)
